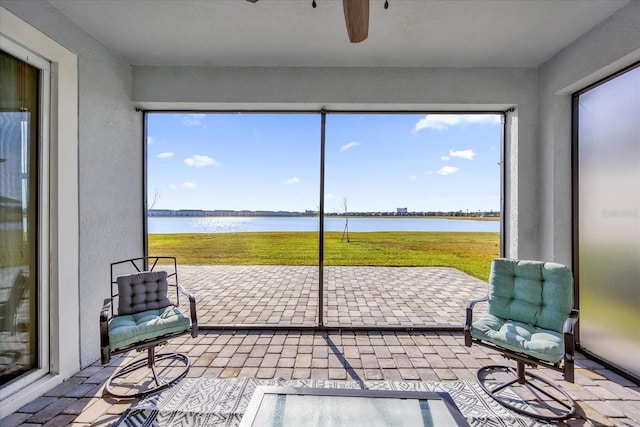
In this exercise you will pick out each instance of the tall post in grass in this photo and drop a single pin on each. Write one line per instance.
(345, 232)
(156, 197)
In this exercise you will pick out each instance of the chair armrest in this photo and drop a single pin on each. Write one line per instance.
(570, 323)
(105, 316)
(192, 310)
(470, 306)
(469, 319)
(105, 312)
(569, 332)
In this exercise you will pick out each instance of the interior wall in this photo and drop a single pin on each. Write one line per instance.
(110, 164)
(290, 88)
(608, 47)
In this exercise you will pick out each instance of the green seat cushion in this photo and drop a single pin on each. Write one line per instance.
(543, 344)
(533, 292)
(133, 328)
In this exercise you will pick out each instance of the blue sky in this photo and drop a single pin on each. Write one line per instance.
(377, 162)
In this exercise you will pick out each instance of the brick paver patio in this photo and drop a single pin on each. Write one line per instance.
(354, 296)
(604, 398)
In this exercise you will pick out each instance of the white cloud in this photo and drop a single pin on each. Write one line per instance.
(189, 185)
(172, 186)
(462, 154)
(200, 161)
(351, 144)
(447, 170)
(165, 155)
(150, 140)
(445, 121)
(292, 180)
(413, 178)
(445, 158)
(193, 120)
(329, 196)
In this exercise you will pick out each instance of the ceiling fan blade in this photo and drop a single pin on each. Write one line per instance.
(356, 15)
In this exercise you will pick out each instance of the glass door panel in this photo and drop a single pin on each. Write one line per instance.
(608, 215)
(18, 218)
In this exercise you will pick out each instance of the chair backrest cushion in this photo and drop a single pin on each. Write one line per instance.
(142, 291)
(533, 292)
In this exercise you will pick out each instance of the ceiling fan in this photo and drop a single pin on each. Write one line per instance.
(356, 16)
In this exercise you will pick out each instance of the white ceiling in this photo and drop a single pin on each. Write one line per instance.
(411, 33)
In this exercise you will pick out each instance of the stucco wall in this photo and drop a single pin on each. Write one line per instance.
(110, 163)
(608, 47)
(371, 89)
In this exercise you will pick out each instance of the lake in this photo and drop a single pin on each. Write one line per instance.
(169, 225)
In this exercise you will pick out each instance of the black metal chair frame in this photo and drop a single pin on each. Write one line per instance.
(565, 365)
(107, 313)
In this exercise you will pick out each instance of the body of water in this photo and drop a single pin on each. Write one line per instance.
(168, 225)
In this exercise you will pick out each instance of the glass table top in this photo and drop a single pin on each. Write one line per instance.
(317, 407)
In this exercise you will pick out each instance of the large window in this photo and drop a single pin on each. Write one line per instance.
(608, 218)
(23, 342)
(290, 218)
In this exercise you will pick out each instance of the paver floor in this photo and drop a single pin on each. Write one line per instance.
(360, 295)
(604, 398)
(354, 296)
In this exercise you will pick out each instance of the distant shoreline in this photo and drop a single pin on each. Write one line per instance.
(484, 216)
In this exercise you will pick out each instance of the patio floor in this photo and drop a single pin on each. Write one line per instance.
(604, 397)
(354, 296)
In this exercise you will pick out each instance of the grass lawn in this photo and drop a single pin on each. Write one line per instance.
(468, 252)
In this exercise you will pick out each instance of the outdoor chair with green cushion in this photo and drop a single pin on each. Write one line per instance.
(145, 318)
(530, 319)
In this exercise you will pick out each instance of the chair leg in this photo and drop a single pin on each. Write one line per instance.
(521, 373)
(131, 380)
(568, 370)
(526, 393)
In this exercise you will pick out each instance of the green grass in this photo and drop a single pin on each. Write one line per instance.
(468, 252)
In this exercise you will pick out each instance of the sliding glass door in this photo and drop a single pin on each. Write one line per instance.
(21, 332)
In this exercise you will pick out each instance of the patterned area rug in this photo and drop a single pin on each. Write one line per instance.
(222, 402)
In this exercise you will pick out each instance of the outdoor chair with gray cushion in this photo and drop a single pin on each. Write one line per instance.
(145, 318)
(529, 319)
